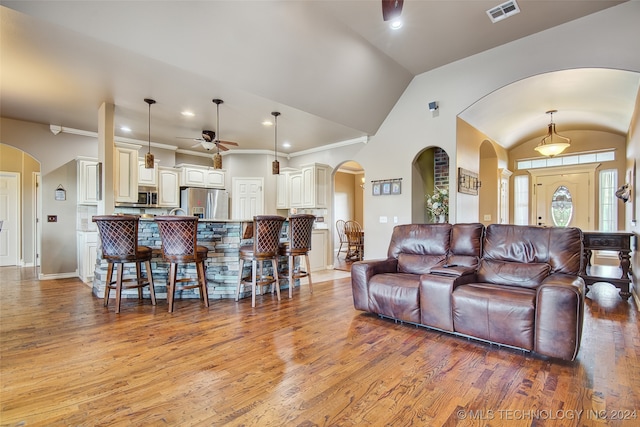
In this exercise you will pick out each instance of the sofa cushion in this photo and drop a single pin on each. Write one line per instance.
(418, 248)
(395, 295)
(512, 273)
(495, 313)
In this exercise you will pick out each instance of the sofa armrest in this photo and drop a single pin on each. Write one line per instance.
(362, 272)
(559, 316)
(435, 299)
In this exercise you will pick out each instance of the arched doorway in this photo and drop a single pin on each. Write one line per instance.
(348, 200)
(431, 183)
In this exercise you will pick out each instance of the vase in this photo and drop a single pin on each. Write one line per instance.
(441, 219)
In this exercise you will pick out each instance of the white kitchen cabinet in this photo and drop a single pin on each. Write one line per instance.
(168, 187)
(147, 177)
(318, 253)
(201, 176)
(126, 175)
(315, 186)
(88, 181)
(283, 188)
(87, 254)
(296, 187)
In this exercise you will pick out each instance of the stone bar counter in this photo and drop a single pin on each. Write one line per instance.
(223, 238)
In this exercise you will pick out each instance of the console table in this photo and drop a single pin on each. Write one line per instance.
(619, 276)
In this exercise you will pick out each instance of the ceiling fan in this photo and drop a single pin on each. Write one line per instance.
(209, 139)
(391, 9)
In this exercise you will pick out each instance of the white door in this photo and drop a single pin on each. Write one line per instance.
(9, 215)
(577, 190)
(247, 198)
(38, 218)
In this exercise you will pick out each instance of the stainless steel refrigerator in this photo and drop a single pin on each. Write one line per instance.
(206, 203)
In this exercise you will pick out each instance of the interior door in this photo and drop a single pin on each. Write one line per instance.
(9, 215)
(569, 195)
(248, 198)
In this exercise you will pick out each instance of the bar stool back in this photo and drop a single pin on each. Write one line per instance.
(266, 237)
(119, 237)
(180, 246)
(299, 244)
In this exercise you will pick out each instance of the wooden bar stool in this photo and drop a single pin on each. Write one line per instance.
(180, 246)
(298, 244)
(266, 237)
(119, 237)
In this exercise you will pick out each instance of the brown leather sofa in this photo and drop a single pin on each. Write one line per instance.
(516, 286)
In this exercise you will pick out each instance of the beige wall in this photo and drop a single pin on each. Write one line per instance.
(632, 208)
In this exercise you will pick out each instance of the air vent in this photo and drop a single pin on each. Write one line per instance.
(503, 11)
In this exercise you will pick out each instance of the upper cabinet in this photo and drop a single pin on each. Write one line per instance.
(88, 181)
(283, 190)
(308, 187)
(168, 187)
(201, 176)
(147, 177)
(126, 175)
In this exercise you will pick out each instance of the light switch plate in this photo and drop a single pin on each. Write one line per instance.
(383, 220)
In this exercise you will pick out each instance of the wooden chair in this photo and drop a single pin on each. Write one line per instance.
(119, 237)
(266, 238)
(355, 237)
(180, 246)
(342, 237)
(298, 244)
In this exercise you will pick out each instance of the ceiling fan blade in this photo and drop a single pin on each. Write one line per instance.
(391, 9)
(222, 147)
(235, 144)
(196, 145)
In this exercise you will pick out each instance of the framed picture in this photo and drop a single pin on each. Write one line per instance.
(396, 187)
(386, 188)
(375, 188)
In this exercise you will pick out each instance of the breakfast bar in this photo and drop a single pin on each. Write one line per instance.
(223, 238)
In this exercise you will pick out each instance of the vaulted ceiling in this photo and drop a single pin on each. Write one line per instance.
(334, 69)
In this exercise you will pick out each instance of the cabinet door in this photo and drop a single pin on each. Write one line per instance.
(318, 254)
(194, 177)
(282, 191)
(168, 188)
(87, 255)
(321, 187)
(308, 187)
(88, 182)
(296, 190)
(126, 175)
(215, 179)
(147, 177)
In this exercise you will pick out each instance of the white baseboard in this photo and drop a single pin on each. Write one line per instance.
(58, 276)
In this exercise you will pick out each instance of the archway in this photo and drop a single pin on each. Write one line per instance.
(430, 178)
(348, 199)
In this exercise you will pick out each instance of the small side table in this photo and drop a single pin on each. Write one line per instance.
(619, 276)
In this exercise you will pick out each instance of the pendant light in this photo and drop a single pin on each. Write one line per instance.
(553, 143)
(275, 166)
(148, 158)
(217, 157)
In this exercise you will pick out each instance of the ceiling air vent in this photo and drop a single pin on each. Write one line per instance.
(503, 11)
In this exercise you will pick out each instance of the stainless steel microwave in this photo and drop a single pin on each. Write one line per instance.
(147, 198)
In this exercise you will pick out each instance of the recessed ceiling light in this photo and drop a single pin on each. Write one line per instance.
(286, 145)
(125, 129)
(267, 123)
(187, 113)
(396, 24)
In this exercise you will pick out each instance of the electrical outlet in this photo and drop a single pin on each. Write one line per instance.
(395, 219)
(487, 217)
(52, 218)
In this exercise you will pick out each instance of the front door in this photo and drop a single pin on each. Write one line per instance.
(563, 200)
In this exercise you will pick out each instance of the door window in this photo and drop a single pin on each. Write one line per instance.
(561, 206)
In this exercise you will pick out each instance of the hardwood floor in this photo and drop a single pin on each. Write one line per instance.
(311, 360)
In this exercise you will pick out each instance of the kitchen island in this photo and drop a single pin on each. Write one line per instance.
(223, 238)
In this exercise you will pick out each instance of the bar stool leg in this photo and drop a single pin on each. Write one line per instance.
(202, 279)
(274, 261)
(254, 273)
(306, 256)
(108, 282)
(152, 290)
(119, 286)
(139, 278)
(173, 271)
(239, 279)
(292, 265)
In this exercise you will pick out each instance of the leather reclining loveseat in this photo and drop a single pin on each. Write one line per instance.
(517, 286)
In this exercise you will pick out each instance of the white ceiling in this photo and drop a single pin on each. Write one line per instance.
(332, 68)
